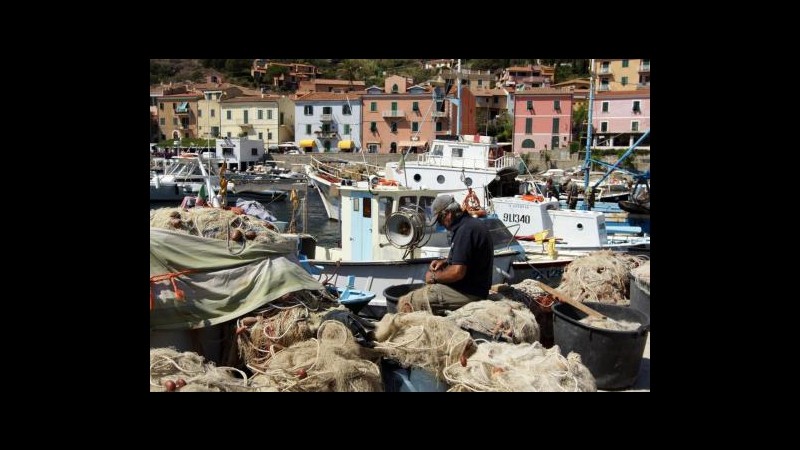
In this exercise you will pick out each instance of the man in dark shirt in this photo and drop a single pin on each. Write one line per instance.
(466, 274)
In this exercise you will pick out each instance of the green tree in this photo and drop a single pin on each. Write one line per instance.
(505, 128)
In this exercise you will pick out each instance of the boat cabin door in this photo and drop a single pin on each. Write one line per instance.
(361, 226)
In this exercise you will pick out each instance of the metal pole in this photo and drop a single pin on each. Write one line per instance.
(587, 160)
(458, 118)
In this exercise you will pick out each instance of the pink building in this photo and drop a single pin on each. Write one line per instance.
(402, 116)
(620, 118)
(542, 119)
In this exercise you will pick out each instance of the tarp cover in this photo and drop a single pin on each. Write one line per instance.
(222, 286)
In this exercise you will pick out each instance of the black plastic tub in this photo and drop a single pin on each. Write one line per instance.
(393, 293)
(640, 296)
(613, 357)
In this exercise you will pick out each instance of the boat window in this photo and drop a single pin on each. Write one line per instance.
(384, 210)
(458, 152)
(440, 179)
(437, 150)
(468, 181)
(367, 209)
(355, 204)
(427, 204)
(407, 200)
(196, 171)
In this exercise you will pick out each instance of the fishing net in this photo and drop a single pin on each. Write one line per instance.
(502, 320)
(600, 276)
(539, 302)
(188, 372)
(607, 323)
(500, 366)
(423, 340)
(215, 223)
(333, 362)
(293, 318)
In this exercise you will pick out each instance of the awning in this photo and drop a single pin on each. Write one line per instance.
(346, 145)
(412, 143)
(307, 143)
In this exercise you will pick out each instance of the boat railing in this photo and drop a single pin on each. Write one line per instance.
(467, 163)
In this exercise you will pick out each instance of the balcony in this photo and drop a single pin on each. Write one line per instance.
(326, 118)
(603, 87)
(438, 114)
(644, 68)
(605, 71)
(646, 84)
(393, 113)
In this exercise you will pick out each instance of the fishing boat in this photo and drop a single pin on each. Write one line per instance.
(385, 241)
(184, 176)
(453, 164)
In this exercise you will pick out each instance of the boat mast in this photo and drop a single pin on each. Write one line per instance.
(458, 118)
(587, 160)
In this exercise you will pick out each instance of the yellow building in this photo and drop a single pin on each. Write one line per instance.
(209, 123)
(254, 117)
(622, 74)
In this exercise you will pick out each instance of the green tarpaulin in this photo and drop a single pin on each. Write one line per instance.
(220, 286)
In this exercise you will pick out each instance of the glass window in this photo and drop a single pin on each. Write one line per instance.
(346, 129)
(624, 81)
(308, 128)
(244, 113)
(373, 126)
(228, 114)
(394, 89)
(414, 126)
(346, 110)
(458, 152)
(327, 110)
(624, 63)
(213, 112)
(373, 106)
(394, 127)
(269, 114)
(260, 114)
(199, 112)
(529, 105)
(308, 110)
(384, 210)
(636, 106)
(603, 126)
(367, 209)
(528, 126)
(415, 106)
(604, 106)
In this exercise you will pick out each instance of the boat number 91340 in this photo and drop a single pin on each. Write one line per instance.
(516, 218)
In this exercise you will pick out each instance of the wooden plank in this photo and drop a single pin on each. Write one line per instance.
(578, 305)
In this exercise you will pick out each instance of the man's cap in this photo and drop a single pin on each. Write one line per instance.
(439, 204)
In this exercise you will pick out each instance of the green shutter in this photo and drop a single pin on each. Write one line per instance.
(529, 105)
(556, 120)
(557, 105)
(528, 126)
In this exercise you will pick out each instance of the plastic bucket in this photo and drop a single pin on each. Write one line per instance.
(398, 379)
(613, 357)
(640, 296)
(393, 293)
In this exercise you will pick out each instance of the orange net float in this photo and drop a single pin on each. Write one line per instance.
(533, 198)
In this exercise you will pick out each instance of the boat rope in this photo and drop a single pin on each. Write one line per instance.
(179, 294)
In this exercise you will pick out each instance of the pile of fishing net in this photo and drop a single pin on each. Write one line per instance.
(607, 323)
(423, 340)
(333, 362)
(502, 320)
(600, 276)
(500, 366)
(171, 370)
(215, 223)
(539, 302)
(293, 318)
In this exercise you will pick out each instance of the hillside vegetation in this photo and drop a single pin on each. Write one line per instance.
(371, 71)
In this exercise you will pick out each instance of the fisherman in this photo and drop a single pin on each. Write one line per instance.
(466, 275)
(550, 189)
(571, 189)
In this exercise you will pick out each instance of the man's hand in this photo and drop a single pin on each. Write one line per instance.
(437, 264)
